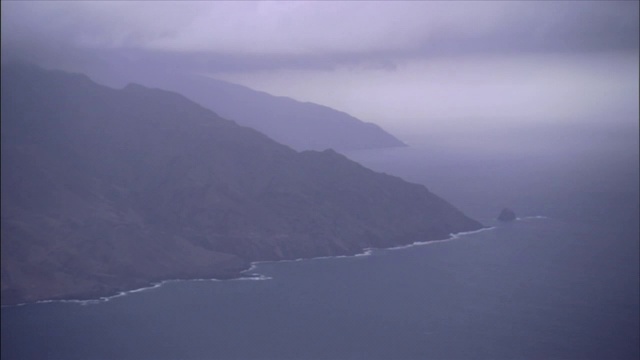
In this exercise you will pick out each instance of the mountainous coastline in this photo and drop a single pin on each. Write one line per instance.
(105, 190)
(300, 125)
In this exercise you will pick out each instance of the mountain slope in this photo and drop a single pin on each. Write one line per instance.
(107, 189)
(301, 125)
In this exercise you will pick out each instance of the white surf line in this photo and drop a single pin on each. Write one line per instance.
(257, 277)
(156, 285)
(533, 217)
(253, 265)
(365, 252)
(453, 236)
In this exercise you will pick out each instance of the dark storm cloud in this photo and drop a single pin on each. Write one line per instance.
(235, 36)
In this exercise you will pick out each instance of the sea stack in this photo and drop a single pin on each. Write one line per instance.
(507, 215)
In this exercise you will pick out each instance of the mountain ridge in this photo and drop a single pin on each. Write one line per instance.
(298, 124)
(105, 190)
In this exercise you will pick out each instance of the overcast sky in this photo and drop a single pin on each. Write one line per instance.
(394, 63)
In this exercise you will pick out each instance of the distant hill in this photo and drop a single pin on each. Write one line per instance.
(300, 125)
(104, 190)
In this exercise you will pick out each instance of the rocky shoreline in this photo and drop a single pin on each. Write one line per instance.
(230, 274)
(105, 190)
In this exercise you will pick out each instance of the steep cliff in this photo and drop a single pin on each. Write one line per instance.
(106, 189)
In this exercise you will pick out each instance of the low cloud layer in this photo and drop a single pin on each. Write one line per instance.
(405, 65)
(256, 35)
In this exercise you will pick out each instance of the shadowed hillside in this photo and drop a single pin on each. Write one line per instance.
(106, 189)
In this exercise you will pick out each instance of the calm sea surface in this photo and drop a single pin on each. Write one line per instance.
(560, 283)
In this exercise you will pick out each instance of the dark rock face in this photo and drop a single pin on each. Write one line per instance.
(507, 215)
(105, 190)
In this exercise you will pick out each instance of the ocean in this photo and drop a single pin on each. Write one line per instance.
(561, 282)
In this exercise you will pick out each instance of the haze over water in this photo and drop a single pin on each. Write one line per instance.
(564, 285)
(526, 105)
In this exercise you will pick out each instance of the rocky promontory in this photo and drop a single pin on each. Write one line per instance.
(105, 190)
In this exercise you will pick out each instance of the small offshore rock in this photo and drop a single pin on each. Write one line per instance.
(507, 215)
